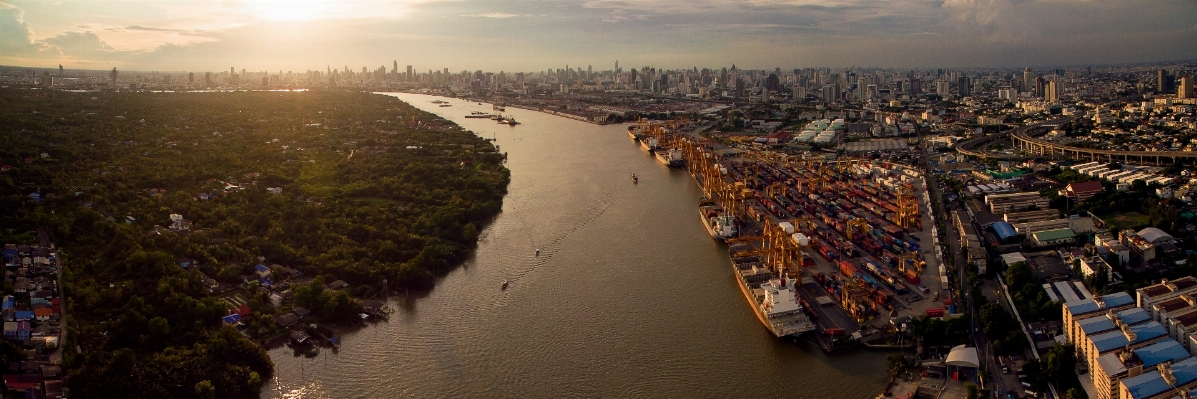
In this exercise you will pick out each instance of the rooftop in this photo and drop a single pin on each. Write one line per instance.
(1151, 384)
(1052, 235)
(1109, 341)
(1107, 302)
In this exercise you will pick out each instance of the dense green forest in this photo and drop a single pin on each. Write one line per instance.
(363, 188)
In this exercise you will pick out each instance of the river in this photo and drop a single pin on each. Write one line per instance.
(629, 297)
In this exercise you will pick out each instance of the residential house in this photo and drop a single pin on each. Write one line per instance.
(22, 284)
(336, 285)
(24, 315)
(10, 330)
(262, 270)
(42, 314)
(24, 330)
(232, 319)
(286, 320)
(301, 312)
(1083, 190)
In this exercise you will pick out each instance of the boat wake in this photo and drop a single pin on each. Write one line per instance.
(550, 248)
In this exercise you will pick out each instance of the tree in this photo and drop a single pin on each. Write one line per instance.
(971, 391)
(1018, 275)
(205, 390)
(255, 381)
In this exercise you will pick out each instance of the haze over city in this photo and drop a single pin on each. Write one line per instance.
(529, 35)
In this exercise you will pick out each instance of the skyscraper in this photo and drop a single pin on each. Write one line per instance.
(1028, 82)
(1165, 82)
(1051, 92)
(964, 86)
(410, 75)
(1185, 90)
(113, 77)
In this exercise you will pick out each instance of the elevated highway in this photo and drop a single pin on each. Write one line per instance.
(1022, 140)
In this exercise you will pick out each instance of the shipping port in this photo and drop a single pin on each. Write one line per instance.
(844, 235)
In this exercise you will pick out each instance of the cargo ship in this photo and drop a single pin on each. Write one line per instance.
(719, 224)
(632, 133)
(773, 299)
(649, 143)
(671, 157)
(478, 114)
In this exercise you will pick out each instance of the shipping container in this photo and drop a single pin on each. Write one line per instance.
(913, 276)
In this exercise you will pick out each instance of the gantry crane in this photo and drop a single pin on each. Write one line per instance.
(918, 264)
(854, 224)
(908, 208)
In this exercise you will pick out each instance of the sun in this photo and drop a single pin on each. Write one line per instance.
(290, 10)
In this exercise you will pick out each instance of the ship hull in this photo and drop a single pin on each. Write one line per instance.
(707, 223)
(756, 307)
(664, 158)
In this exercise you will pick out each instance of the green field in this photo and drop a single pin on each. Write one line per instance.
(1124, 220)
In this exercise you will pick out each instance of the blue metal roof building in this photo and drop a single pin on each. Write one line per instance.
(1004, 230)
(1149, 385)
(1166, 351)
(1112, 340)
(1106, 302)
(1094, 325)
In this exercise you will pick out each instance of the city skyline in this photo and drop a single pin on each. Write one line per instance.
(532, 35)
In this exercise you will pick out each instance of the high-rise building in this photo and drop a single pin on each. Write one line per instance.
(1040, 86)
(1165, 82)
(1028, 83)
(964, 86)
(410, 74)
(113, 77)
(395, 68)
(1051, 92)
(828, 93)
(60, 73)
(942, 88)
(1185, 90)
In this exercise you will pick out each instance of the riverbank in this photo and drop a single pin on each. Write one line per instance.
(627, 276)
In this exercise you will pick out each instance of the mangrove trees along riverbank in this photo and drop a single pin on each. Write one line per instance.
(172, 209)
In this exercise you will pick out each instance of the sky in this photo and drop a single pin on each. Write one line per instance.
(534, 35)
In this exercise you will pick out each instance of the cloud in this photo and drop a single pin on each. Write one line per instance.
(81, 45)
(499, 15)
(16, 37)
(135, 27)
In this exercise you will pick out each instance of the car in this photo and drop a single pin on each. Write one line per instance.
(1005, 370)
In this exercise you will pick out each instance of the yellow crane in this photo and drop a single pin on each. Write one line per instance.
(855, 224)
(908, 208)
(918, 264)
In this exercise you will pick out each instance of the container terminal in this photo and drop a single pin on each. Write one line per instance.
(843, 236)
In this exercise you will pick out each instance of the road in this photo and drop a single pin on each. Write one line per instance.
(993, 379)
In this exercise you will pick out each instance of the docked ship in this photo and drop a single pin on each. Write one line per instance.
(773, 299)
(671, 157)
(718, 222)
(649, 143)
(478, 114)
(632, 133)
